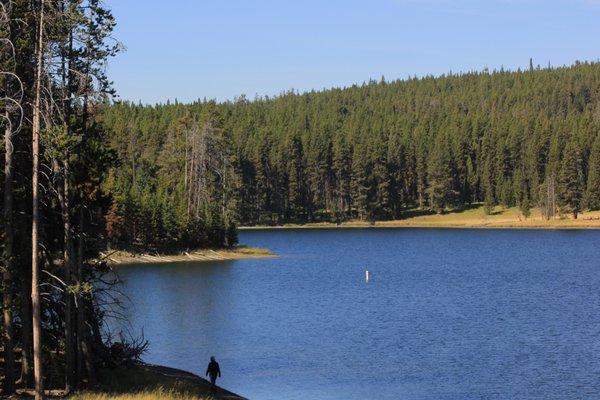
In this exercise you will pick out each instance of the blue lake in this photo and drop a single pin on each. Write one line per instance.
(447, 314)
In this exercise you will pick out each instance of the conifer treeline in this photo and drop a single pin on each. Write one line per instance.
(527, 138)
(52, 81)
(179, 189)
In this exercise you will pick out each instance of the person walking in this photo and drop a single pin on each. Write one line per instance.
(213, 371)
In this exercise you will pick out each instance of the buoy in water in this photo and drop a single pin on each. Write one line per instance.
(366, 276)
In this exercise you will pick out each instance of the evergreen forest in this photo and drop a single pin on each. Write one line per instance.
(376, 151)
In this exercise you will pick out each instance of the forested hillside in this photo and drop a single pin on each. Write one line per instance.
(527, 138)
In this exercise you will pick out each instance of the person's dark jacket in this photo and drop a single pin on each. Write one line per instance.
(213, 369)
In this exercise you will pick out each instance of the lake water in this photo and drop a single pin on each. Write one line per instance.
(447, 314)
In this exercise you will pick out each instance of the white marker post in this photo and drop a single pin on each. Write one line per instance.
(367, 276)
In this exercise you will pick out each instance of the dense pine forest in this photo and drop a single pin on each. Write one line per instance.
(373, 151)
(55, 291)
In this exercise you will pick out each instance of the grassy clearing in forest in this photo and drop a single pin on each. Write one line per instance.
(469, 218)
(499, 218)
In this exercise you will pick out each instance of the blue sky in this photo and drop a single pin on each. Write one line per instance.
(190, 49)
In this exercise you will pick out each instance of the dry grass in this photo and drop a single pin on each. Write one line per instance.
(236, 253)
(471, 218)
(146, 382)
(254, 251)
(145, 395)
(500, 218)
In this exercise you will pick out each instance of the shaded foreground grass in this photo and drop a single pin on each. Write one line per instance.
(145, 395)
(474, 217)
(146, 382)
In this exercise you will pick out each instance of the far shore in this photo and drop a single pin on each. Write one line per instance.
(235, 253)
(475, 218)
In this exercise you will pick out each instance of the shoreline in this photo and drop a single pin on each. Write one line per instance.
(182, 375)
(509, 218)
(147, 381)
(120, 257)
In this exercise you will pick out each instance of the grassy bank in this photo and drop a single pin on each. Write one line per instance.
(236, 253)
(469, 218)
(148, 382)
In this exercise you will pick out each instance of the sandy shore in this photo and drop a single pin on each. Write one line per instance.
(237, 253)
(472, 218)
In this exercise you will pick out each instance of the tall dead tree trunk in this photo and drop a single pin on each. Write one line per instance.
(185, 181)
(84, 351)
(63, 192)
(79, 299)
(85, 365)
(64, 195)
(69, 259)
(203, 155)
(35, 264)
(9, 235)
(7, 276)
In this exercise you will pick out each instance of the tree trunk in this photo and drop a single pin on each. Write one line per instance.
(79, 300)
(7, 276)
(84, 350)
(25, 332)
(35, 266)
(63, 197)
(84, 353)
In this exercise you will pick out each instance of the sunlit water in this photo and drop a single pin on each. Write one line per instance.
(447, 314)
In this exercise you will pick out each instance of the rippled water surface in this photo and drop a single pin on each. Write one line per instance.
(447, 314)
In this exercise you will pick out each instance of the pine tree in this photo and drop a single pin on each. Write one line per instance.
(263, 203)
(439, 175)
(525, 206)
(296, 182)
(359, 184)
(592, 193)
(231, 236)
(525, 199)
(382, 185)
(54, 169)
(571, 179)
(35, 219)
(342, 161)
(420, 173)
(10, 125)
(488, 203)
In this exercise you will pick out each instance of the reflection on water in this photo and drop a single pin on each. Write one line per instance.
(447, 314)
